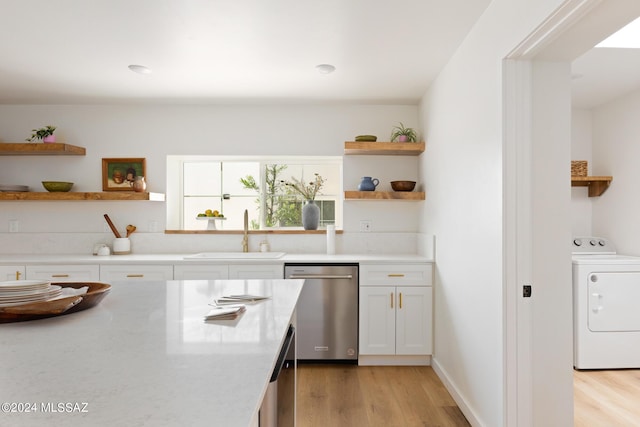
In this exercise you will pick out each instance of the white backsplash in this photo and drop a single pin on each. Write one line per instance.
(160, 243)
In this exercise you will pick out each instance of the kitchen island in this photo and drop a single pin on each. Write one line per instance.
(146, 357)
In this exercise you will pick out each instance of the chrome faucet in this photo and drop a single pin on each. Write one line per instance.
(245, 239)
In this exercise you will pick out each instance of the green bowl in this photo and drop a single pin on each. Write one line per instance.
(57, 185)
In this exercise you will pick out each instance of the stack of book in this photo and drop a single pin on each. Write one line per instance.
(231, 306)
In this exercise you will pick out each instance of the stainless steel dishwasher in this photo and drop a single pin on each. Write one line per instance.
(327, 311)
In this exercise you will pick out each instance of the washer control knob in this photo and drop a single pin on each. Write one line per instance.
(577, 242)
(601, 242)
(593, 242)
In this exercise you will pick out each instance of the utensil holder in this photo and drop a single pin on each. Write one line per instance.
(121, 246)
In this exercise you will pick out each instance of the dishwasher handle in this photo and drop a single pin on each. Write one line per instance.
(320, 276)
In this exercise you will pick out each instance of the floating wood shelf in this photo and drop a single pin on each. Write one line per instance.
(596, 184)
(72, 195)
(40, 149)
(384, 148)
(384, 195)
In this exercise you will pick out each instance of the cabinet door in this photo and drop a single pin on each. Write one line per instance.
(200, 272)
(109, 273)
(377, 320)
(12, 272)
(64, 273)
(413, 320)
(263, 271)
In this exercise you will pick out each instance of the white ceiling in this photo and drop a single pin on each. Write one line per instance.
(604, 74)
(77, 51)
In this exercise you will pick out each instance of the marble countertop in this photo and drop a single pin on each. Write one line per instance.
(145, 356)
(164, 259)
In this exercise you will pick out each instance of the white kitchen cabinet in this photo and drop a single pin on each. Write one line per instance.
(395, 320)
(225, 271)
(201, 272)
(395, 310)
(12, 272)
(262, 271)
(110, 273)
(64, 273)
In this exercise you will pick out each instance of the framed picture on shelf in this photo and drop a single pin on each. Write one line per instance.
(119, 174)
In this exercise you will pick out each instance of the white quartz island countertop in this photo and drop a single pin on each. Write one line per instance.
(145, 357)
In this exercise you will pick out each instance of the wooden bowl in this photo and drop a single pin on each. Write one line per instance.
(43, 309)
(403, 185)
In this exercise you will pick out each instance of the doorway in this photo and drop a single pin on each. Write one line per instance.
(537, 107)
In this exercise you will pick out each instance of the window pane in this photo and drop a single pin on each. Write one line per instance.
(232, 172)
(195, 205)
(202, 178)
(234, 212)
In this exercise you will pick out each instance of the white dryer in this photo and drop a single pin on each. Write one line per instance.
(606, 306)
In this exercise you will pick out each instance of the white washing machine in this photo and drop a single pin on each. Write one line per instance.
(606, 306)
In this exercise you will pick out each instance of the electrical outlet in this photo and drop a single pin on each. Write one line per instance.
(365, 226)
(14, 226)
(105, 228)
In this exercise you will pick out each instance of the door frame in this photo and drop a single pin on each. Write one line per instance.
(553, 39)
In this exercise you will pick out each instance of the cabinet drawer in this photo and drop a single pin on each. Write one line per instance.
(110, 273)
(396, 274)
(11, 272)
(200, 272)
(264, 271)
(64, 273)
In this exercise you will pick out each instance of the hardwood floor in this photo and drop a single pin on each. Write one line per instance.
(606, 398)
(349, 395)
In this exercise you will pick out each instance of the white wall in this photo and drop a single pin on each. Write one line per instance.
(153, 132)
(581, 150)
(616, 152)
(462, 169)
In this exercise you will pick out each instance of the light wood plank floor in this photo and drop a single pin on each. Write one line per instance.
(606, 398)
(350, 395)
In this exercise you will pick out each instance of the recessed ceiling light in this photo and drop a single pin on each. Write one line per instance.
(140, 69)
(626, 37)
(325, 68)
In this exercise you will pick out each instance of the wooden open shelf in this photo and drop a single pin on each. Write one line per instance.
(596, 184)
(72, 195)
(384, 195)
(40, 149)
(384, 148)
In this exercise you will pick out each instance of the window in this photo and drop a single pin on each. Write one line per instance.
(230, 185)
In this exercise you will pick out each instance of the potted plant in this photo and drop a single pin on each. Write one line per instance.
(403, 134)
(45, 134)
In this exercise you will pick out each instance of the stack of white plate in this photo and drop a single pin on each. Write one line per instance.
(14, 188)
(18, 292)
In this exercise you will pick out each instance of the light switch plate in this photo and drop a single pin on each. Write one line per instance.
(14, 226)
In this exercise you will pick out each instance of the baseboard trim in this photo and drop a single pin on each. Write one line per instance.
(453, 391)
(394, 360)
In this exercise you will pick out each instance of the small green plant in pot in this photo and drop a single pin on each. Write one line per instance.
(403, 134)
(45, 134)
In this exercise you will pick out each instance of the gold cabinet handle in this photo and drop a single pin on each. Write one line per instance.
(391, 294)
(135, 275)
(18, 274)
(395, 275)
(400, 302)
(59, 275)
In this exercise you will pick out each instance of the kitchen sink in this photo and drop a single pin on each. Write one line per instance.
(236, 255)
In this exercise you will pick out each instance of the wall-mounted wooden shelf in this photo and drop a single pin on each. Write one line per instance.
(384, 195)
(596, 184)
(40, 149)
(87, 196)
(384, 148)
